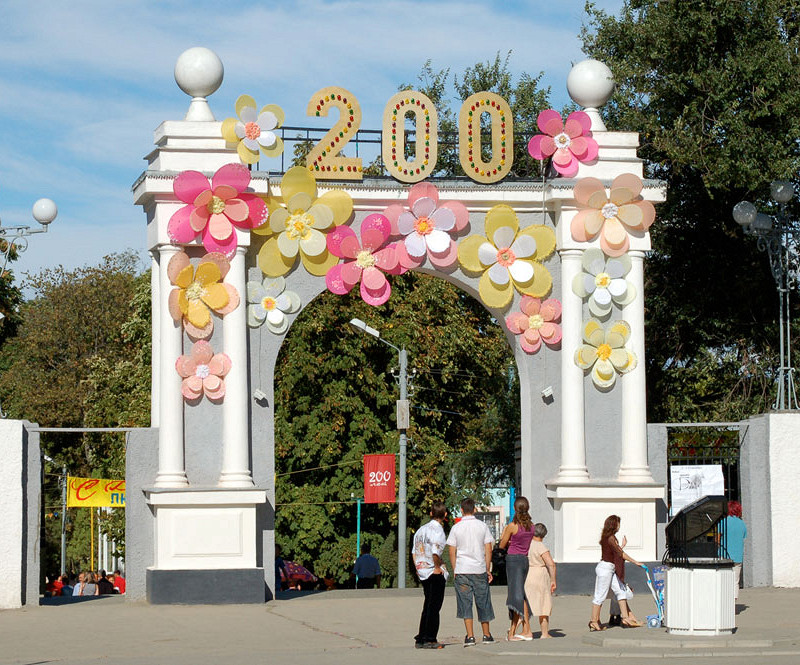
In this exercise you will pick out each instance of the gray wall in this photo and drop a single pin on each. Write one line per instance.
(141, 466)
(31, 540)
(756, 500)
(657, 459)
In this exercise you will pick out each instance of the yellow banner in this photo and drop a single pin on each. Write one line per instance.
(95, 493)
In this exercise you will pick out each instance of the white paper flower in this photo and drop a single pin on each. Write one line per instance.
(268, 302)
(603, 282)
(604, 352)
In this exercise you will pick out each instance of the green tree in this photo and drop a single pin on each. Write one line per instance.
(713, 89)
(335, 402)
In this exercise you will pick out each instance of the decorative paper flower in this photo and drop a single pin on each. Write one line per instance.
(536, 323)
(613, 216)
(199, 292)
(369, 259)
(269, 302)
(253, 130)
(604, 351)
(203, 373)
(568, 143)
(427, 227)
(603, 282)
(214, 208)
(508, 258)
(300, 227)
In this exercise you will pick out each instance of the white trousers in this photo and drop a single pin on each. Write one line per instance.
(607, 579)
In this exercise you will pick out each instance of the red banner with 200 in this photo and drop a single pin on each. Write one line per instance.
(379, 479)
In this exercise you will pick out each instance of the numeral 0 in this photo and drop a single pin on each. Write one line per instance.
(469, 137)
(394, 136)
(323, 160)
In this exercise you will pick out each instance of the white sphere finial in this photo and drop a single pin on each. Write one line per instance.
(199, 73)
(590, 83)
(44, 211)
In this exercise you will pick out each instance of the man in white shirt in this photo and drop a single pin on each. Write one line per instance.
(470, 547)
(429, 542)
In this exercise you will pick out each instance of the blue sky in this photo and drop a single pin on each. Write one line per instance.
(84, 84)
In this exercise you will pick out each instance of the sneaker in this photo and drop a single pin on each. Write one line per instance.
(469, 641)
(433, 645)
(488, 639)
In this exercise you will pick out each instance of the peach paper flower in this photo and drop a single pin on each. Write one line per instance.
(614, 216)
(203, 373)
(567, 143)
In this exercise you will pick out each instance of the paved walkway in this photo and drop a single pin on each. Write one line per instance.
(375, 628)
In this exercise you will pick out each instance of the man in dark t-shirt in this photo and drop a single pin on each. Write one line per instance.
(104, 585)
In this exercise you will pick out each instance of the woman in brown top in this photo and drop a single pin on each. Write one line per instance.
(611, 574)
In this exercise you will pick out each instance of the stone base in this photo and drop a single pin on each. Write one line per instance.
(581, 509)
(206, 587)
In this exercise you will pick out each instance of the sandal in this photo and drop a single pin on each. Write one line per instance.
(595, 626)
(629, 623)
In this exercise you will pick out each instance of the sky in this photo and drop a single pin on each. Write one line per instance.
(84, 84)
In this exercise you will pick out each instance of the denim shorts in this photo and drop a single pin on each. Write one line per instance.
(477, 586)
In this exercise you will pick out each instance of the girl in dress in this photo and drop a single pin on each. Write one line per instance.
(541, 581)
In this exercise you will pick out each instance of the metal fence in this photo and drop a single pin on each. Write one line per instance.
(706, 443)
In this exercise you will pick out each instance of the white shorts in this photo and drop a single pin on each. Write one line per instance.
(607, 579)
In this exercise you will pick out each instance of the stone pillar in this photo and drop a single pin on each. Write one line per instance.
(633, 463)
(171, 461)
(235, 413)
(573, 447)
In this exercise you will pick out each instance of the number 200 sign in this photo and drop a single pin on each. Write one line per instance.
(325, 162)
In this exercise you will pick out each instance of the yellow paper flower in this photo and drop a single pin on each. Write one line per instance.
(604, 351)
(253, 131)
(300, 227)
(199, 292)
(508, 258)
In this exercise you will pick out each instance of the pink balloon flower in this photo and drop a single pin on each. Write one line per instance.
(537, 323)
(427, 227)
(366, 261)
(567, 143)
(203, 373)
(214, 208)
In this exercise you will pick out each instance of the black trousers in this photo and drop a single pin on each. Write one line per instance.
(434, 597)
(365, 583)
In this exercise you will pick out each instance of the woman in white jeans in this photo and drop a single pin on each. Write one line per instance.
(611, 574)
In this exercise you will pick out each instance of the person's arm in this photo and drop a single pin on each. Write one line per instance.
(487, 548)
(452, 551)
(378, 581)
(509, 531)
(621, 552)
(437, 564)
(551, 569)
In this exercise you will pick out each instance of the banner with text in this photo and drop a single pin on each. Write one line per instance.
(379, 479)
(95, 493)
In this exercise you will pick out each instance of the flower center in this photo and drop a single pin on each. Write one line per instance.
(535, 321)
(202, 371)
(195, 291)
(562, 140)
(505, 257)
(268, 303)
(603, 351)
(365, 259)
(299, 225)
(602, 280)
(215, 205)
(423, 225)
(252, 130)
(609, 210)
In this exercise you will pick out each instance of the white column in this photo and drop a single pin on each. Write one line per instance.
(235, 429)
(633, 463)
(573, 446)
(155, 317)
(171, 462)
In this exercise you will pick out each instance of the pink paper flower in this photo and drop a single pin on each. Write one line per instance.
(568, 143)
(614, 216)
(427, 227)
(537, 323)
(203, 373)
(214, 208)
(368, 260)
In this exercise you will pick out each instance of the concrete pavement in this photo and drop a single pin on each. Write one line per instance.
(372, 627)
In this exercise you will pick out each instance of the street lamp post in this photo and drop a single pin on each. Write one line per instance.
(778, 236)
(402, 426)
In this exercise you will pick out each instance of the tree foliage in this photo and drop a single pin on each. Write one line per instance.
(335, 402)
(712, 88)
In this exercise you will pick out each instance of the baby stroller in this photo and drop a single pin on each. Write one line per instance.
(656, 586)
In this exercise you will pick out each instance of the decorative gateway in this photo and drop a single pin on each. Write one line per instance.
(558, 262)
